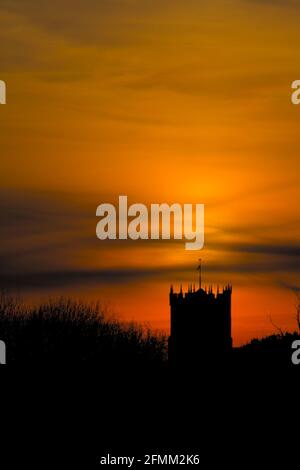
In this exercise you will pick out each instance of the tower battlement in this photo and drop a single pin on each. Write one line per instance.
(200, 324)
(198, 294)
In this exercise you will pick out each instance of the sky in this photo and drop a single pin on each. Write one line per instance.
(164, 101)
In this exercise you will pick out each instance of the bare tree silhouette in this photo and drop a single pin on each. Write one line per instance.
(298, 312)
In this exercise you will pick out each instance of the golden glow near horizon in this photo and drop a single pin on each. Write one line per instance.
(164, 102)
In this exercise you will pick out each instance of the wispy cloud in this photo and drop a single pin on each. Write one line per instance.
(44, 233)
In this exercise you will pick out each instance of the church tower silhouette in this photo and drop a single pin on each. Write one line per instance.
(200, 325)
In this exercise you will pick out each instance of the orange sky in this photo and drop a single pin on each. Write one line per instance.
(165, 101)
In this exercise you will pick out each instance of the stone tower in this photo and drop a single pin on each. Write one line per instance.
(200, 326)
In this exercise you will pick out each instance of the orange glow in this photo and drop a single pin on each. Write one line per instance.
(186, 103)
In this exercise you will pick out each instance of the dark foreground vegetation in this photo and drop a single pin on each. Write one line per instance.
(65, 331)
(274, 351)
(120, 410)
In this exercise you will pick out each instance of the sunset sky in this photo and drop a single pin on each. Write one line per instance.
(164, 101)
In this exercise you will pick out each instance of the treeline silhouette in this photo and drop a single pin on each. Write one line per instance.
(64, 331)
(271, 354)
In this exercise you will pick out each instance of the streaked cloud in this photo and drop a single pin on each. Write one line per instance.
(162, 100)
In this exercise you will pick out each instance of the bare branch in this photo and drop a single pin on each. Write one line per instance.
(276, 326)
(298, 312)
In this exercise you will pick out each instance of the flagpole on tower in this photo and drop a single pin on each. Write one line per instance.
(200, 273)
